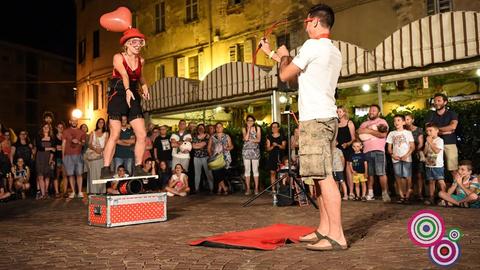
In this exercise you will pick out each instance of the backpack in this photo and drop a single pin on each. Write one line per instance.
(283, 196)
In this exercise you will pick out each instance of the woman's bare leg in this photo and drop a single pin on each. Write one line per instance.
(138, 126)
(41, 183)
(109, 151)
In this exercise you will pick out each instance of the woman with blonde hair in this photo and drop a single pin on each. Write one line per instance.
(127, 88)
(345, 139)
(220, 144)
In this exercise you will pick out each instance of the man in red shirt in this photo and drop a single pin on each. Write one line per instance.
(72, 143)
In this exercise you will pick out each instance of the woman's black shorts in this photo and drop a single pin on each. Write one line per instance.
(117, 104)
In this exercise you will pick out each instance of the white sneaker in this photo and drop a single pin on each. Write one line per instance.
(370, 198)
(72, 195)
(169, 194)
(80, 195)
(385, 197)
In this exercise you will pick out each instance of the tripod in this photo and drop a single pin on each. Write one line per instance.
(290, 174)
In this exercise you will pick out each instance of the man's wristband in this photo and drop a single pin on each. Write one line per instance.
(270, 55)
(127, 89)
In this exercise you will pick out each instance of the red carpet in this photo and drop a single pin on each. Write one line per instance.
(267, 238)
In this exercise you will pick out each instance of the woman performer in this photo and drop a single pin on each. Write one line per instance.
(124, 98)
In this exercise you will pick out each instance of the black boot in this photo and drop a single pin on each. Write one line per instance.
(138, 171)
(105, 173)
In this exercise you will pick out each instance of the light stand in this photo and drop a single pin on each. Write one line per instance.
(291, 174)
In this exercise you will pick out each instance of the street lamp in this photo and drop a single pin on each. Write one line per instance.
(77, 113)
(365, 87)
(283, 99)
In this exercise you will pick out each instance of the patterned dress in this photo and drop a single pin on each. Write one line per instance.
(220, 146)
(251, 149)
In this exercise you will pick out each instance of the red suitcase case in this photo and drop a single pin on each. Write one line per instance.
(122, 210)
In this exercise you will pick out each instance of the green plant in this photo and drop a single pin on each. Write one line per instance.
(468, 131)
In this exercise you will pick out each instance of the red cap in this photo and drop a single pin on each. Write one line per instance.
(130, 33)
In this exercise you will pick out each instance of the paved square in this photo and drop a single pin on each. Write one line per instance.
(54, 234)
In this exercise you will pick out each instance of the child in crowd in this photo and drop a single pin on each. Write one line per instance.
(178, 184)
(164, 174)
(149, 166)
(282, 173)
(401, 146)
(338, 165)
(311, 185)
(283, 170)
(434, 169)
(121, 173)
(359, 167)
(149, 169)
(21, 176)
(466, 187)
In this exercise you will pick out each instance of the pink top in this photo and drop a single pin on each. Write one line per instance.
(133, 75)
(180, 180)
(374, 144)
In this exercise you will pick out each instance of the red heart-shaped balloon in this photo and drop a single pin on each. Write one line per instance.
(118, 20)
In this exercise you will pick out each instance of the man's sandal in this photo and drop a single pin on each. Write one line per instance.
(318, 237)
(334, 245)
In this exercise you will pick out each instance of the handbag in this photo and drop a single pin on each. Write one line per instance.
(216, 162)
(92, 155)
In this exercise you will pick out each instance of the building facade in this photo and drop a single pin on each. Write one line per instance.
(34, 81)
(195, 39)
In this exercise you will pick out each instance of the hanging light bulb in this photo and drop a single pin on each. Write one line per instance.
(365, 87)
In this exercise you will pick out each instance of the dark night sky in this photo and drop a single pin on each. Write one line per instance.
(48, 25)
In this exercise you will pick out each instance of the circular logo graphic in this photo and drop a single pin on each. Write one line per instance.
(454, 234)
(425, 228)
(444, 252)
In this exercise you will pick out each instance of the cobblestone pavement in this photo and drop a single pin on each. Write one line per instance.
(54, 234)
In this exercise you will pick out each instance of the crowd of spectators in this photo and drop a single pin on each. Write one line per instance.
(422, 159)
(56, 161)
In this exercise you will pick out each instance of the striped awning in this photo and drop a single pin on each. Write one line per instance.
(171, 92)
(437, 39)
(434, 39)
(235, 79)
(230, 82)
(355, 60)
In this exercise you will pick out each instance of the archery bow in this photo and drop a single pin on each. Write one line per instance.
(267, 33)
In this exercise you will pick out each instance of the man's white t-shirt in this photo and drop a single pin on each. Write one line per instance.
(320, 62)
(400, 141)
(177, 137)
